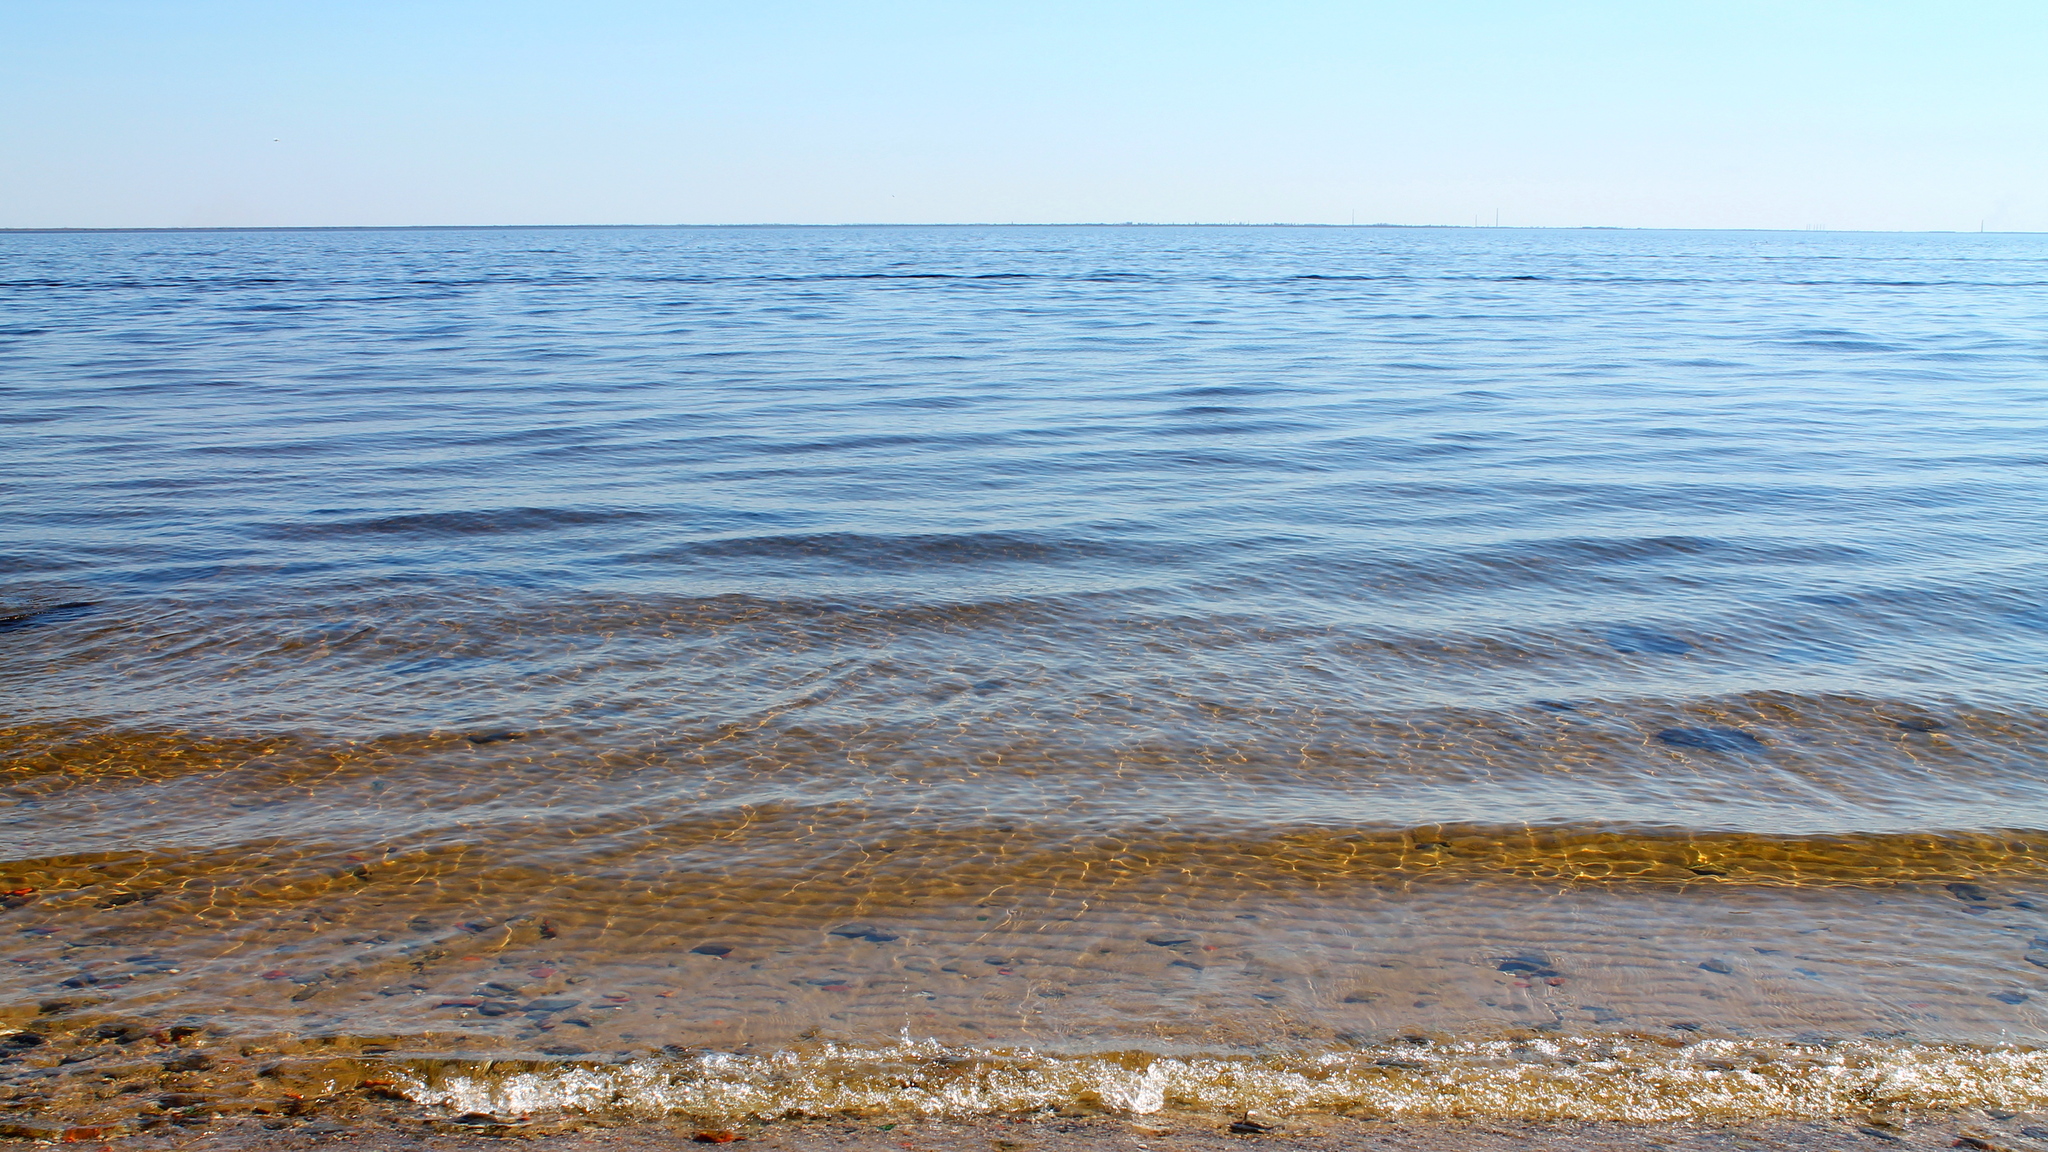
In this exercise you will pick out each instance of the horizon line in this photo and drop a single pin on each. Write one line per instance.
(987, 224)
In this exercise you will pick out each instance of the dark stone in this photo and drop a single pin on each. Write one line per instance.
(1165, 941)
(864, 932)
(1711, 739)
(1526, 966)
(502, 989)
(1878, 1134)
(1185, 964)
(1920, 724)
(1970, 892)
(476, 1118)
(712, 950)
(996, 961)
(564, 1050)
(2009, 997)
(496, 1008)
(1719, 967)
(493, 737)
(1249, 1127)
(196, 1062)
(551, 1005)
(1632, 639)
(24, 1040)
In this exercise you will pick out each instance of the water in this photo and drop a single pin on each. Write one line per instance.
(768, 671)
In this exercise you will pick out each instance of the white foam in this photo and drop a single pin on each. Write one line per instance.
(1583, 1079)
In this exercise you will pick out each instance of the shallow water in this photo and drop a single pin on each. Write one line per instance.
(1205, 644)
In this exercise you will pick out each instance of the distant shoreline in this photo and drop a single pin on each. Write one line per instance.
(1095, 224)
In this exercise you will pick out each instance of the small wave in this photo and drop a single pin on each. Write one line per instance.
(1581, 1078)
(480, 522)
(1845, 345)
(912, 552)
(42, 615)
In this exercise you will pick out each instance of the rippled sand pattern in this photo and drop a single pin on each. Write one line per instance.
(620, 894)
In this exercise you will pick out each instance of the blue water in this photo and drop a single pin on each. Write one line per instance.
(1816, 458)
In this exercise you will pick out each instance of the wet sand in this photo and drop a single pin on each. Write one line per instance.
(1971, 1129)
(175, 1091)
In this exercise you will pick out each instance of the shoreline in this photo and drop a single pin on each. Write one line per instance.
(115, 1084)
(1990, 1131)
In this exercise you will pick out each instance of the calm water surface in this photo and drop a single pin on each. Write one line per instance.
(1087, 667)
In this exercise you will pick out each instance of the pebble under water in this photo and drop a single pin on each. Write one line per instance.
(754, 672)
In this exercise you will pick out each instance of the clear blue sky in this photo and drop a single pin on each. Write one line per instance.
(1655, 113)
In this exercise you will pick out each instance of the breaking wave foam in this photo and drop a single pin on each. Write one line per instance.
(1553, 1079)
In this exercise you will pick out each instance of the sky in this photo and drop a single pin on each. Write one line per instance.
(1787, 114)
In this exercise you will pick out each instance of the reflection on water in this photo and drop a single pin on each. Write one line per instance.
(1189, 666)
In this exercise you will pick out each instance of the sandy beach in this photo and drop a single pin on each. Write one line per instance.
(1974, 1129)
